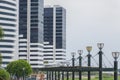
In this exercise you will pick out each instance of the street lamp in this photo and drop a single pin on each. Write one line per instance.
(23, 73)
(115, 56)
(73, 58)
(100, 46)
(80, 57)
(80, 62)
(67, 71)
(73, 54)
(73, 64)
(80, 52)
(89, 48)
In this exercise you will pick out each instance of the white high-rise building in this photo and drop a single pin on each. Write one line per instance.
(9, 24)
(54, 35)
(31, 32)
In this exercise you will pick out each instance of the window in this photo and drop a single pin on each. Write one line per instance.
(6, 2)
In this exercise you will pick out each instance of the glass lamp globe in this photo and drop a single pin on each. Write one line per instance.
(89, 48)
(100, 45)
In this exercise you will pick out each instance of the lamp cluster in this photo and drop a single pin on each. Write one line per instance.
(100, 46)
(89, 48)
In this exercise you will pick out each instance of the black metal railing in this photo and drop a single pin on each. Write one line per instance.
(58, 73)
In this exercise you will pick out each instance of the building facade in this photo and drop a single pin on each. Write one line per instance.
(54, 35)
(8, 22)
(31, 32)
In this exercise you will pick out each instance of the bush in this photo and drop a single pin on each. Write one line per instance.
(4, 75)
(16, 68)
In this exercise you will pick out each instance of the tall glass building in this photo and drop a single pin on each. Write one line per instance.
(31, 32)
(54, 35)
(8, 22)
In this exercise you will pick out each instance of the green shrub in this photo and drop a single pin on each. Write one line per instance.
(16, 68)
(4, 75)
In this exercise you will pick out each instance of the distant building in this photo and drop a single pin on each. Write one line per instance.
(54, 35)
(31, 32)
(8, 22)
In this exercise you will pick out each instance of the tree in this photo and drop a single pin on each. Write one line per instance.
(19, 68)
(1, 36)
(1, 33)
(4, 75)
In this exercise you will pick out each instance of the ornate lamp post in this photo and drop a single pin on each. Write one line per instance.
(73, 64)
(115, 56)
(80, 63)
(100, 46)
(67, 71)
(89, 48)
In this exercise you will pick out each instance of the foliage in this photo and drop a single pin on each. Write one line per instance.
(4, 75)
(1, 36)
(19, 68)
(1, 33)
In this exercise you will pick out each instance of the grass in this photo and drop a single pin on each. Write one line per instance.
(97, 78)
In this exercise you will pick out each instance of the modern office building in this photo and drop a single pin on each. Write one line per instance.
(54, 35)
(8, 22)
(31, 32)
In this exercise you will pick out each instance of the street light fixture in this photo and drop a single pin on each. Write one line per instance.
(100, 45)
(115, 55)
(80, 57)
(80, 62)
(73, 54)
(80, 52)
(73, 64)
(100, 53)
(89, 48)
(73, 58)
(67, 71)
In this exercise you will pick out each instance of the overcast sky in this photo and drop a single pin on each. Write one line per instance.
(90, 22)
